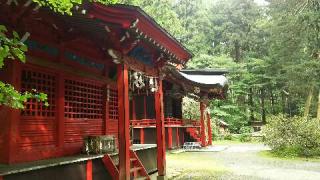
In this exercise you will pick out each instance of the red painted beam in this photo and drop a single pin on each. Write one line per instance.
(209, 129)
(203, 132)
(142, 136)
(89, 170)
(161, 147)
(169, 138)
(123, 123)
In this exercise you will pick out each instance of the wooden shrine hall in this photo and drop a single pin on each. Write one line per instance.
(201, 85)
(111, 75)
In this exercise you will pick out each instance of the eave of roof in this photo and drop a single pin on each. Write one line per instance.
(207, 80)
(136, 20)
(205, 71)
(214, 86)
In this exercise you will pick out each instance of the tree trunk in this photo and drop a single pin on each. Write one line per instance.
(237, 51)
(308, 102)
(272, 102)
(283, 97)
(263, 110)
(251, 118)
(318, 109)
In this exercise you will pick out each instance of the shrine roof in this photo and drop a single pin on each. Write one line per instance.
(206, 79)
(136, 21)
(205, 71)
(208, 82)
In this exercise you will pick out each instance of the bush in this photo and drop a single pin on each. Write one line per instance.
(246, 134)
(294, 136)
(228, 136)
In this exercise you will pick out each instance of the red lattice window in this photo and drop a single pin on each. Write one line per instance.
(113, 104)
(83, 100)
(42, 82)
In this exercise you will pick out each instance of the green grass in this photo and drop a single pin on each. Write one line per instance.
(189, 165)
(226, 142)
(272, 155)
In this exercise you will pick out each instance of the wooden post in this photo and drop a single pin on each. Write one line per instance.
(89, 170)
(209, 129)
(141, 135)
(123, 123)
(169, 138)
(145, 107)
(203, 132)
(134, 116)
(60, 111)
(106, 110)
(182, 138)
(14, 114)
(178, 137)
(161, 148)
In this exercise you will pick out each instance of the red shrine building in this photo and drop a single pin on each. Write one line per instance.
(110, 72)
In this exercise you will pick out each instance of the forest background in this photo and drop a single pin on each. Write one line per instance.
(270, 48)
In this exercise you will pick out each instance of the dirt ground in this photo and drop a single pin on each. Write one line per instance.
(239, 162)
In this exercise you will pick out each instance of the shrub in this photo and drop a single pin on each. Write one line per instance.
(295, 136)
(246, 134)
(228, 136)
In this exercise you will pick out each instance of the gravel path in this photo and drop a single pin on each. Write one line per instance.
(243, 162)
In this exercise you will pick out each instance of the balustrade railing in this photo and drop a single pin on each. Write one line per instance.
(167, 122)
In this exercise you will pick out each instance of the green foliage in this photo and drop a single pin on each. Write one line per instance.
(12, 98)
(246, 134)
(11, 48)
(190, 109)
(65, 6)
(293, 136)
(228, 136)
(163, 13)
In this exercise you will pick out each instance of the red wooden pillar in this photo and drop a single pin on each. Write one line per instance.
(1, 178)
(209, 129)
(60, 101)
(161, 147)
(178, 137)
(169, 138)
(60, 111)
(145, 107)
(133, 108)
(12, 124)
(106, 110)
(182, 138)
(89, 170)
(141, 135)
(123, 123)
(203, 132)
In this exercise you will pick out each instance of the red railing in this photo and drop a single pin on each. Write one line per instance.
(167, 122)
